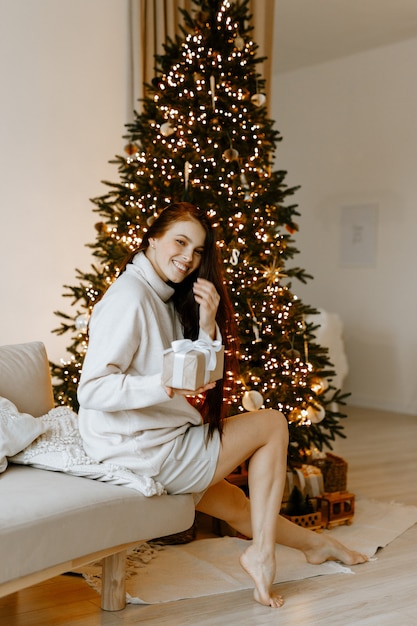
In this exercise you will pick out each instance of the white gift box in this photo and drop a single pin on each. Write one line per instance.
(192, 364)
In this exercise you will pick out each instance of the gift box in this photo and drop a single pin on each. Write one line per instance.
(308, 479)
(192, 364)
(334, 470)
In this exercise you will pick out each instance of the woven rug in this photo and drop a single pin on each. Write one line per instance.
(204, 567)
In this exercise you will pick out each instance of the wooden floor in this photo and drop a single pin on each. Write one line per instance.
(381, 449)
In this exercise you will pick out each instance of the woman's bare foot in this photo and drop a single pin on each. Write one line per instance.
(261, 568)
(329, 549)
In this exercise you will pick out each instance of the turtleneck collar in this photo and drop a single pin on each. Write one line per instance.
(145, 268)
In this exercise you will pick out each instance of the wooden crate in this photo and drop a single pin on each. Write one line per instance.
(337, 508)
(309, 520)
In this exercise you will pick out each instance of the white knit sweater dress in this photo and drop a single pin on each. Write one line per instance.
(125, 415)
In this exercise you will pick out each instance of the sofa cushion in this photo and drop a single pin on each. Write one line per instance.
(25, 377)
(48, 518)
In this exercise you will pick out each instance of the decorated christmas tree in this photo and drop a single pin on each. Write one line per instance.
(203, 135)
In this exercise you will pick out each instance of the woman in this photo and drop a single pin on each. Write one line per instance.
(170, 288)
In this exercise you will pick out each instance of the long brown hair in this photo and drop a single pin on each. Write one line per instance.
(214, 406)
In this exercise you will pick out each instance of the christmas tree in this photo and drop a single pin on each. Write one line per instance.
(203, 135)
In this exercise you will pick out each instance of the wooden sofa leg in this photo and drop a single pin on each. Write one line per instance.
(113, 585)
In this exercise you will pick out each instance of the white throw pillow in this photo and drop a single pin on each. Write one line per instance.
(17, 430)
(60, 449)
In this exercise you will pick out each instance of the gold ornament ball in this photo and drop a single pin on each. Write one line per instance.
(316, 414)
(252, 400)
(131, 149)
(319, 385)
(230, 154)
(296, 415)
(239, 42)
(258, 99)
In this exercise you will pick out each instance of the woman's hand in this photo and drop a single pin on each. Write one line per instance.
(187, 392)
(207, 297)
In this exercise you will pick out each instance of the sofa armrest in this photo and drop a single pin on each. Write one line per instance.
(25, 377)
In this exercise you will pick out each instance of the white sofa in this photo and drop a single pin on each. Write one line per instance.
(52, 522)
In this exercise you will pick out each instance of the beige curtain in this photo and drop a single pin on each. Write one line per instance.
(263, 34)
(152, 21)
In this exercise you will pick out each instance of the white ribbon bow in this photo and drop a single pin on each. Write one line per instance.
(180, 348)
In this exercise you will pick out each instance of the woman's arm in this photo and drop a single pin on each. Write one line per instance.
(208, 299)
(122, 368)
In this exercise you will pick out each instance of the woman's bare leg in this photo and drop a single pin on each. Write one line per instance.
(229, 503)
(262, 437)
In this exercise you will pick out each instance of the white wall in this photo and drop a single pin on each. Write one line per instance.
(350, 138)
(63, 106)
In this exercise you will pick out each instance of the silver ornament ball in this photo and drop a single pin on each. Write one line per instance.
(252, 400)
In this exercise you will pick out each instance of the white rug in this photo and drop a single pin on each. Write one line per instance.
(211, 566)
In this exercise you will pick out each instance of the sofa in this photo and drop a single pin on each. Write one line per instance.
(52, 522)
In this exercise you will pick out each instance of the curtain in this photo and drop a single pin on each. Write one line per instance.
(262, 12)
(152, 21)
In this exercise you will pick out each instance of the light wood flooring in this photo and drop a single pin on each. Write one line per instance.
(381, 449)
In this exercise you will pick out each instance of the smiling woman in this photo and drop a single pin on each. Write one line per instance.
(170, 289)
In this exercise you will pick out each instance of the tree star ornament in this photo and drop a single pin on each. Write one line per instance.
(273, 273)
(252, 400)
